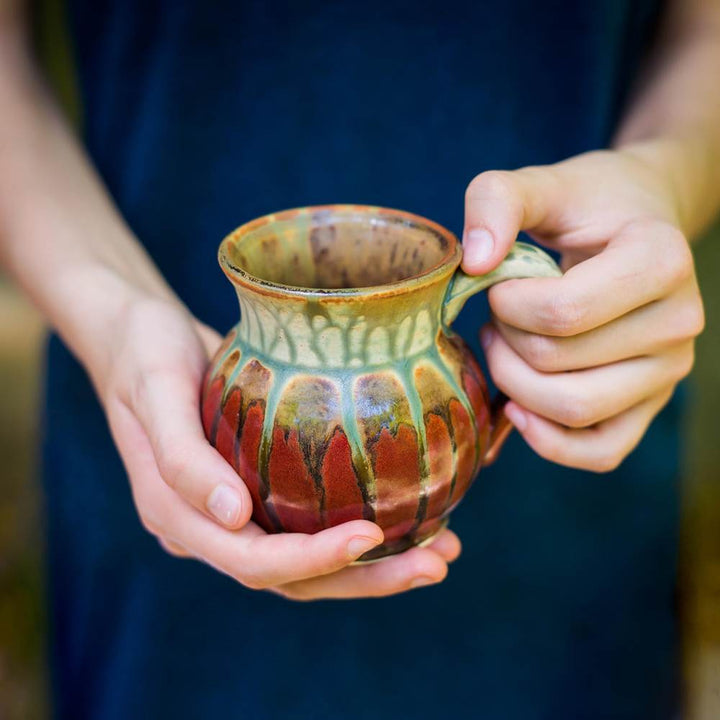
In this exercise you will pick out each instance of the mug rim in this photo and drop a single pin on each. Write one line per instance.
(239, 276)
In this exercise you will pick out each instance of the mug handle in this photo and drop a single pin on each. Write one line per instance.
(523, 261)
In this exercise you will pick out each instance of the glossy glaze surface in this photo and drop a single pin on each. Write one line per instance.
(342, 393)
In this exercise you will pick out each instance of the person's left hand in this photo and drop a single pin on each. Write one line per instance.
(590, 358)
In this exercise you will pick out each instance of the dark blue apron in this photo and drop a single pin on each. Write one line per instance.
(202, 115)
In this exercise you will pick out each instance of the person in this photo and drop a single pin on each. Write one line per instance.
(197, 117)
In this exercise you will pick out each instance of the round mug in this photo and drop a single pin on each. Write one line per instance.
(343, 392)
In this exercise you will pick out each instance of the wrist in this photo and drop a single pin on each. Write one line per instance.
(677, 171)
(97, 300)
(657, 160)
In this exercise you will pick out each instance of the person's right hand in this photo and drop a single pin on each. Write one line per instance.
(192, 500)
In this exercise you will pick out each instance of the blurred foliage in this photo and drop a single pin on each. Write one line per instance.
(700, 543)
(52, 47)
(23, 626)
(22, 597)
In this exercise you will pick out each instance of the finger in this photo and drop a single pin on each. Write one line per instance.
(264, 560)
(167, 405)
(645, 262)
(447, 545)
(415, 568)
(173, 548)
(651, 329)
(251, 556)
(601, 448)
(499, 204)
(584, 397)
(261, 561)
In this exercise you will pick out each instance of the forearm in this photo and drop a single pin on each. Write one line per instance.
(61, 238)
(673, 123)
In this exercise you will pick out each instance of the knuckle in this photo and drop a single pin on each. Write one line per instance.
(674, 255)
(687, 323)
(295, 594)
(667, 395)
(172, 548)
(643, 227)
(542, 352)
(697, 322)
(694, 318)
(576, 411)
(251, 567)
(339, 560)
(251, 581)
(172, 459)
(550, 447)
(607, 462)
(320, 560)
(563, 315)
(142, 382)
(685, 363)
(149, 523)
(416, 567)
(138, 389)
(490, 182)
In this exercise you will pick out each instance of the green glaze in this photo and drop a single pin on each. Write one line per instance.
(356, 399)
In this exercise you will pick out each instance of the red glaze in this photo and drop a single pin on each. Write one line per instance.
(225, 436)
(343, 498)
(295, 497)
(247, 464)
(464, 434)
(305, 478)
(397, 481)
(440, 452)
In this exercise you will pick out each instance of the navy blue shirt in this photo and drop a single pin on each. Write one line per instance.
(203, 115)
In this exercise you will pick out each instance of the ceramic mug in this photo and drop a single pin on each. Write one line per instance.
(343, 392)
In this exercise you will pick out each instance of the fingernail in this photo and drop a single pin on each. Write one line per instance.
(478, 247)
(487, 335)
(359, 545)
(516, 416)
(224, 504)
(422, 582)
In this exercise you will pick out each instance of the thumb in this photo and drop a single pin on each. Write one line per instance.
(168, 409)
(498, 205)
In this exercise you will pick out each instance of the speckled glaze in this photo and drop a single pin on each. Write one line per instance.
(343, 393)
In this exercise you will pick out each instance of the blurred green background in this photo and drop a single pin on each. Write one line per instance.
(22, 612)
(23, 620)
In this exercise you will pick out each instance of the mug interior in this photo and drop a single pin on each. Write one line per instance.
(337, 247)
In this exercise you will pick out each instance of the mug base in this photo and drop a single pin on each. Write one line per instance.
(422, 537)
